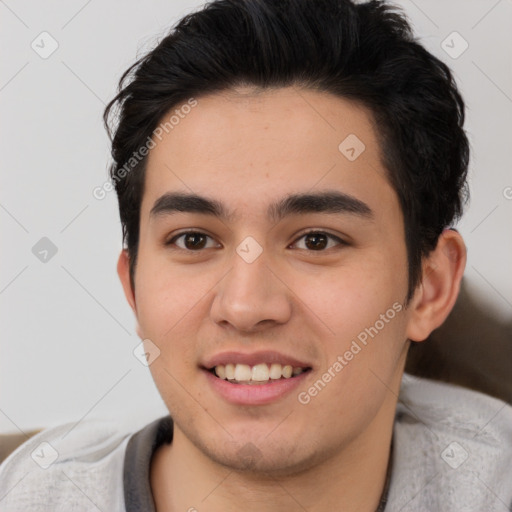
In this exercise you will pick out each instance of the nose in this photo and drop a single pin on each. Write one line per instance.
(251, 297)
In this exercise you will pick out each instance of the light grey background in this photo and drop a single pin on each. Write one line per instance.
(68, 334)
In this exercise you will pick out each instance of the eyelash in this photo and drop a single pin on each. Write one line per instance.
(316, 232)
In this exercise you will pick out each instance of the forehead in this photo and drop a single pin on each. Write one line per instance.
(245, 145)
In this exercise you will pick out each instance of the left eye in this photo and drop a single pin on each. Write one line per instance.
(192, 240)
(319, 240)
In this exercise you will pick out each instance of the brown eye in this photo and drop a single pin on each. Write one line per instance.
(194, 241)
(318, 241)
(191, 241)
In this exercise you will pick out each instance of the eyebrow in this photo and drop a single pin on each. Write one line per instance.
(295, 204)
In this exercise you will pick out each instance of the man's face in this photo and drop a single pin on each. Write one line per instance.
(253, 288)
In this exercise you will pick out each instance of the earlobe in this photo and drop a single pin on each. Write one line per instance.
(436, 295)
(123, 271)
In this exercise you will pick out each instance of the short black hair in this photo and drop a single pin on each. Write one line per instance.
(364, 52)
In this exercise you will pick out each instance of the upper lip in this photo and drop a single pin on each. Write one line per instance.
(252, 359)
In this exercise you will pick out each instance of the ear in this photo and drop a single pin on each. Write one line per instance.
(123, 271)
(435, 297)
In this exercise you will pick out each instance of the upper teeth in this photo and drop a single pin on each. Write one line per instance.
(259, 373)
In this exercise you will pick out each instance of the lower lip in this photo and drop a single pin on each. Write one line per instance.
(254, 394)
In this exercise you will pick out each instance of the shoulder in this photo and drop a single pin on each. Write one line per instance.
(452, 448)
(75, 466)
(451, 410)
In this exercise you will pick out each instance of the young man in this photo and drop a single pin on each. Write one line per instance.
(287, 173)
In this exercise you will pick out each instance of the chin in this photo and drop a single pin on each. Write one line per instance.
(280, 458)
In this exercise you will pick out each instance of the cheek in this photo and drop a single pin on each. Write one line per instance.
(366, 321)
(348, 299)
(171, 309)
(362, 306)
(165, 294)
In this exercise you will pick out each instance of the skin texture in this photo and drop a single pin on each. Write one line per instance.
(248, 149)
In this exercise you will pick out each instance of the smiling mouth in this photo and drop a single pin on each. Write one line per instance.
(261, 373)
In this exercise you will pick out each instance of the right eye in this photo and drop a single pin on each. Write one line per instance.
(191, 241)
